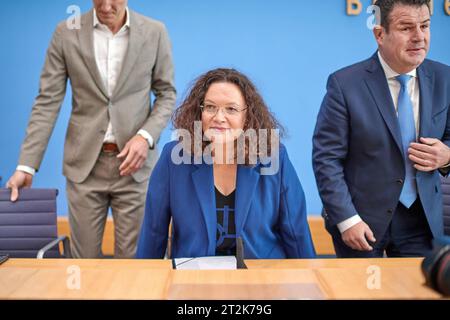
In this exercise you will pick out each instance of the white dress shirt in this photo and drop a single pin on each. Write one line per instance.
(394, 88)
(110, 50)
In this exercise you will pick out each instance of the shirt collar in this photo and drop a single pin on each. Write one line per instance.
(127, 22)
(390, 74)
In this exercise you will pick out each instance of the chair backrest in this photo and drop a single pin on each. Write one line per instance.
(28, 224)
(445, 183)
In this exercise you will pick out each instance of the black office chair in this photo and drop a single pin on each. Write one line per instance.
(28, 227)
(445, 184)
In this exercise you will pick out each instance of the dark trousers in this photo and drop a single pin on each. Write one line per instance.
(408, 235)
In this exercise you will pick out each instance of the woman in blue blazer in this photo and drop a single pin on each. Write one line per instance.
(227, 177)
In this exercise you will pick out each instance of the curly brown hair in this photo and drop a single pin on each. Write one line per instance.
(258, 115)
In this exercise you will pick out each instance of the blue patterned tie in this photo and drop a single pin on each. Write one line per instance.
(408, 130)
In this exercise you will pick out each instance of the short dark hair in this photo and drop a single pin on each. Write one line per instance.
(386, 7)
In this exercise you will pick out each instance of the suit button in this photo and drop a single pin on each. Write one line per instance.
(400, 181)
(390, 211)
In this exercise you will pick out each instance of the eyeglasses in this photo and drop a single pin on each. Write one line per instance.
(212, 110)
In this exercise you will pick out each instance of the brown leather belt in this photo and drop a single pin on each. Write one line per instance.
(110, 147)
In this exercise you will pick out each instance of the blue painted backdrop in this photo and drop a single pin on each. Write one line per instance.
(288, 47)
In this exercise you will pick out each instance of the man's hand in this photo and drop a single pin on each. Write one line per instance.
(429, 155)
(135, 154)
(355, 237)
(18, 180)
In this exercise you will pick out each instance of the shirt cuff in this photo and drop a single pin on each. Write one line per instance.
(147, 137)
(26, 169)
(348, 223)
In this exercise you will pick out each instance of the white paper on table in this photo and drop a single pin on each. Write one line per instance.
(206, 263)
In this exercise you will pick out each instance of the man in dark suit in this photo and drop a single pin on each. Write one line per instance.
(381, 138)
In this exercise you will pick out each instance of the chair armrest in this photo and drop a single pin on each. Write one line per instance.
(66, 247)
(168, 252)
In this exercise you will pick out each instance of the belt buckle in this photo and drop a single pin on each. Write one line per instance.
(110, 147)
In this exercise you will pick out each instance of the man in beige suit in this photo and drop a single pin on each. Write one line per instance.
(114, 60)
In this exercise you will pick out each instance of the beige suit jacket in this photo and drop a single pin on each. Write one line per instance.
(147, 67)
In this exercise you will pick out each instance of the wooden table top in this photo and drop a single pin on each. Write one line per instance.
(265, 279)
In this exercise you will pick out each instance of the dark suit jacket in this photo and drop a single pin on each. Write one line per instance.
(270, 211)
(357, 148)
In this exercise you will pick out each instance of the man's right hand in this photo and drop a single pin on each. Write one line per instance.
(356, 237)
(18, 180)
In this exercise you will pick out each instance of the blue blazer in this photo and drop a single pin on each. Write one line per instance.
(270, 211)
(357, 149)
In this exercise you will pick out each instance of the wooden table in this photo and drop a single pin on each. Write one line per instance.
(99, 279)
(399, 278)
(265, 279)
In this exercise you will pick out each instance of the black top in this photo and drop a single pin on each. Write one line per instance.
(226, 227)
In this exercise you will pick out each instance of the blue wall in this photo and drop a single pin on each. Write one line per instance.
(288, 47)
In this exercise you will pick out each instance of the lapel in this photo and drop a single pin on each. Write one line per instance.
(86, 40)
(379, 89)
(246, 182)
(426, 84)
(135, 43)
(203, 180)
